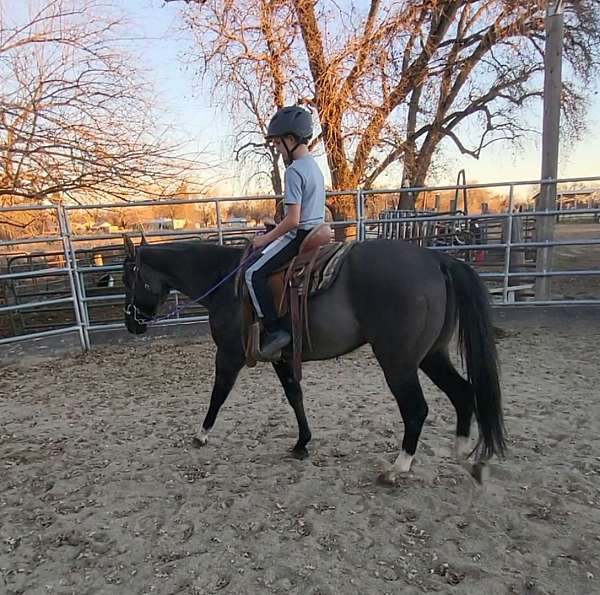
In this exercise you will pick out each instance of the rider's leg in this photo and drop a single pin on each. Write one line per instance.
(274, 256)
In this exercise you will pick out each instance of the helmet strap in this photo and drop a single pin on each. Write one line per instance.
(289, 157)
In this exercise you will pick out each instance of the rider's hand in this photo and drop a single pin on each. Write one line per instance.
(259, 242)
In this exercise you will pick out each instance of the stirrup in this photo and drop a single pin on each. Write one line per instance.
(276, 357)
(279, 341)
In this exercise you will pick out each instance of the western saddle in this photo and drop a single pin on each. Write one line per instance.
(313, 269)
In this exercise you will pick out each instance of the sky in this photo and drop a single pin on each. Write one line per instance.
(188, 112)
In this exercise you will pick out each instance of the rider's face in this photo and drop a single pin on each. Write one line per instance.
(283, 145)
(280, 145)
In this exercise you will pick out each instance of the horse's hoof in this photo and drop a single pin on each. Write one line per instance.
(390, 478)
(300, 453)
(199, 442)
(480, 472)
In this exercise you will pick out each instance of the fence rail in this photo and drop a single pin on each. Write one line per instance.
(77, 289)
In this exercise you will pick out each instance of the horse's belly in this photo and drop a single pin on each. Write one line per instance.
(334, 329)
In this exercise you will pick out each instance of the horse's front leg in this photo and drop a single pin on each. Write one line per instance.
(226, 373)
(293, 392)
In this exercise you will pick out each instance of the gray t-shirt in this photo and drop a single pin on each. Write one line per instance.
(304, 185)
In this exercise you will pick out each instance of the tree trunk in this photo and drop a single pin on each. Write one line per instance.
(341, 211)
(408, 199)
(415, 173)
(343, 208)
(277, 188)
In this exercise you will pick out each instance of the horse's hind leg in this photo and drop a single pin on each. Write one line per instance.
(405, 386)
(293, 392)
(443, 374)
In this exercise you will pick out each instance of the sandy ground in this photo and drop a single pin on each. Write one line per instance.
(100, 491)
(577, 258)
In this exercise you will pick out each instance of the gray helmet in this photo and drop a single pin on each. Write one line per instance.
(291, 119)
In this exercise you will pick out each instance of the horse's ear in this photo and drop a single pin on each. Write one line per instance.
(129, 247)
(143, 242)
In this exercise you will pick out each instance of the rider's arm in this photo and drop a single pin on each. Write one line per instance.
(292, 196)
(288, 223)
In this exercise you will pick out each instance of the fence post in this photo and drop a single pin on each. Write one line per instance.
(219, 225)
(508, 241)
(360, 231)
(554, 25)
(71, 264)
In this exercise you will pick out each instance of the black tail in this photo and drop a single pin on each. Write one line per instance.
(476, 341)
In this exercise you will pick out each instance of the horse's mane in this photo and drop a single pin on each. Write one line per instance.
(209, 256)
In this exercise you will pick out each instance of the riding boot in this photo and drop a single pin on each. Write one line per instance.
(273, 342)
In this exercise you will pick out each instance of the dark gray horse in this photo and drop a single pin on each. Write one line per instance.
(405, 301)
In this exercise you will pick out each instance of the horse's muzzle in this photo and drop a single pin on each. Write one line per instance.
(135, 327)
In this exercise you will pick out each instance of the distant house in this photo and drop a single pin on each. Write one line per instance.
(236, 222)
(164, 223)
(566, 200)
(583, 198)
(105, 227)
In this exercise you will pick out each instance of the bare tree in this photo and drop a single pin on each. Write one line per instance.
(244, 52)
(76, 119)
(390, 82)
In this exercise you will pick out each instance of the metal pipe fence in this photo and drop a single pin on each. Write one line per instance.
(86, 294)
(56, 272)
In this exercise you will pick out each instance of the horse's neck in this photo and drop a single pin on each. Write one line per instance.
(194, 271)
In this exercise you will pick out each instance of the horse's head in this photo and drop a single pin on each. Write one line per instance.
(145, 290)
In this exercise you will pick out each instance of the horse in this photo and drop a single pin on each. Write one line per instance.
(403, 300)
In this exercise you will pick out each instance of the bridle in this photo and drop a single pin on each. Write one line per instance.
(131, 309)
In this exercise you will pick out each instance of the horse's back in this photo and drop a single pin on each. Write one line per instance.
(398, 292)
(385, 258)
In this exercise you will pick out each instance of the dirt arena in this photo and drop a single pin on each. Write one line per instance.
(101, 492)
